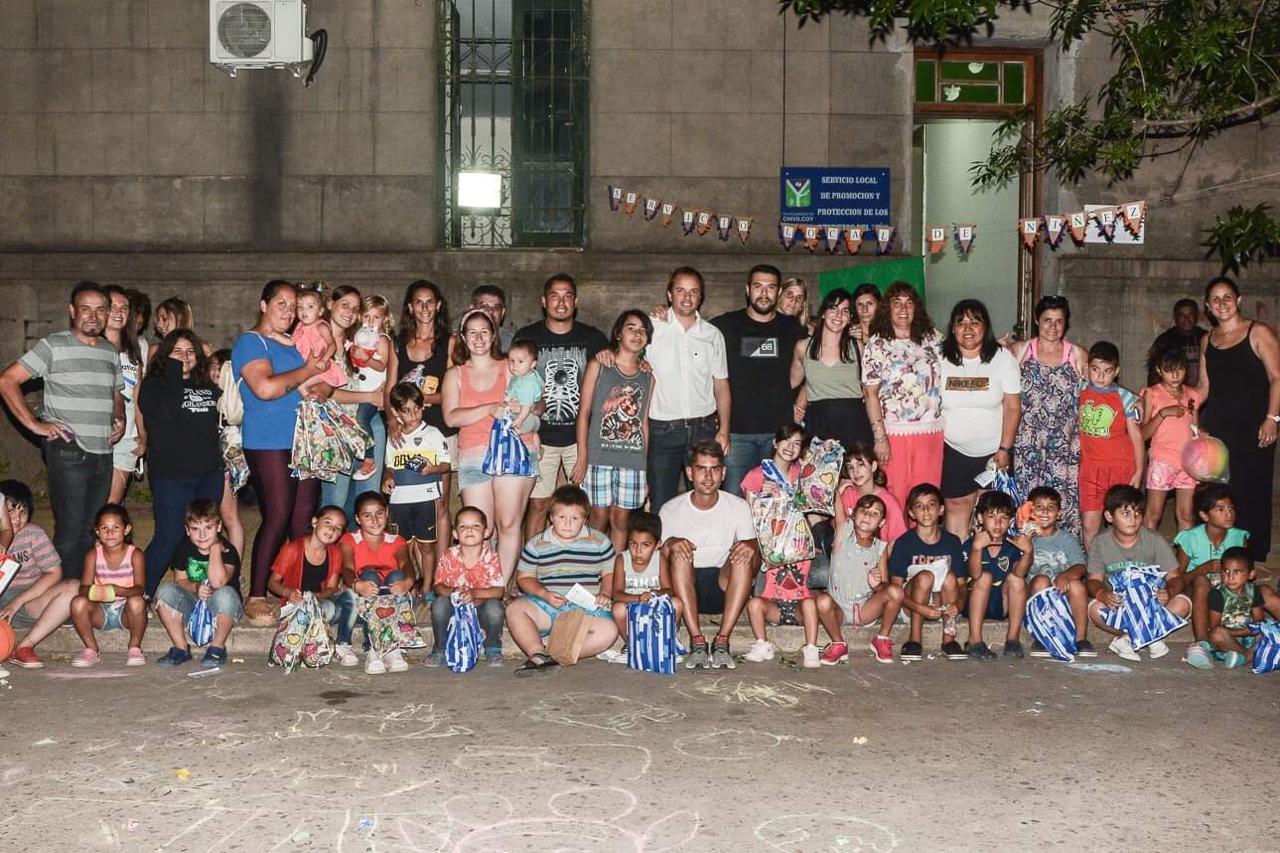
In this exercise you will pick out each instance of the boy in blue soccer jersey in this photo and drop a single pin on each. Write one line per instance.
(996, 586)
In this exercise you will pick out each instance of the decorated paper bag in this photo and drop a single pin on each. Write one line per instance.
(382, 622)
(651, 635)
(1266, 652)
(463, 637)
(819, 473)
(1050, 622)
(327, 441)
(781, 530)
(568, 633)
(303, 636)
(200, 624)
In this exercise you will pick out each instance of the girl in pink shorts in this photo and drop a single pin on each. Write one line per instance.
(1169, 421)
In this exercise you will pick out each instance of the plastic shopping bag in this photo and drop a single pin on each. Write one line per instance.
(463, 637)
(651, 635)
(1266, 652)
(1140, 615)
(200, 624)
(507, 454)
(1050, 622)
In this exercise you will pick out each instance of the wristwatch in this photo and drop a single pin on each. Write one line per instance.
(1274, 418)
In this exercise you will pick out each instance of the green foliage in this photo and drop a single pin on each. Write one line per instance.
(1184, 71)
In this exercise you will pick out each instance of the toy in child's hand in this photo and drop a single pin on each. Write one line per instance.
(1205, 459)
(364, 346)
(102, 592)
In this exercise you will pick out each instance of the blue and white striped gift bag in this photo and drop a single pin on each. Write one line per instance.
(1049, 620)
(1139, 615)
(507, 454)
(1266, 652)
(463, 637)
(651, 635)
(200, 624)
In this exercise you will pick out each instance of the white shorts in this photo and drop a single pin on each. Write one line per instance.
(553, 459)
(939, 569)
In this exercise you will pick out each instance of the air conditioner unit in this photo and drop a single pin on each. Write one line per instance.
(245, 34)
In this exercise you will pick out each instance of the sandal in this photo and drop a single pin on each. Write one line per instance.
(537, 664)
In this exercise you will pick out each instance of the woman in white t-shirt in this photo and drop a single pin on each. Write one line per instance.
(981, 407)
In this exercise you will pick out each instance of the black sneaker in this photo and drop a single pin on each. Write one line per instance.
(911, 650)
(1037, 650)
(953, 651)
(1085, 649)
(1012, 649)
(979, 651)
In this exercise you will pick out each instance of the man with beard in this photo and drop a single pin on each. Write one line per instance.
(81, 417)
(564, 345)
(758, 342)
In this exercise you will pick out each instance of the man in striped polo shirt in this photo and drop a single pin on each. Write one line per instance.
(566, 553)
(81, 417)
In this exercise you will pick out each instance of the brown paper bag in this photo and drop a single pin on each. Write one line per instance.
(567, 636)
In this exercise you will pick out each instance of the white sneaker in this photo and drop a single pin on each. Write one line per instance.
(613, 655)
(395, 661)
(761, 651)
(345, 655)
(373, 664)
(1122, 647)
(1158, 649)
(809, 657)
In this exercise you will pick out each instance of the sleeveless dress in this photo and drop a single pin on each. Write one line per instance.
(307, 340)
(427, 375)
(1046, 451)
(1235, 408)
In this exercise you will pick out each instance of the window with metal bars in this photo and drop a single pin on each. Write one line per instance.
(514, 103)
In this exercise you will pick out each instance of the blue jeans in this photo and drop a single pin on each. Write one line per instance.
(343, 491)
(340, 612)
(223, 601)
(746, 450)
(668, 443)
(492, 617)
(170, 498)
(79, 484)
(366, 414)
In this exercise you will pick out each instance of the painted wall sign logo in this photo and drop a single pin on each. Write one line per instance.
(818, 195)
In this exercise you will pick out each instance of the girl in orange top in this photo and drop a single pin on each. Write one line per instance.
(314, 564)
(1170, 414)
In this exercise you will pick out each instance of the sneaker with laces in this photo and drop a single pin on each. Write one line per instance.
(373, 664)
(174, 657)
(953, 651)
(614, 655)
(395, 661)
(1157, 650)
(1198, 656)
(345, 655)
(365, 471)
(1012, 649)
(698, 658)
(810, 658)
(834, 653)
(1121, 647)
(721, 658)
(1039, 651)
(882, 648)
(760, 651)
(911, 650)
(1085, 649)
(979, 651)
(26, 658)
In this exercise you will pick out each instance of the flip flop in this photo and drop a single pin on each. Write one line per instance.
(537, 664)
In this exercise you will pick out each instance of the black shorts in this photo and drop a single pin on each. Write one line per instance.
(706, 586)
(415, 520)
(958, 472)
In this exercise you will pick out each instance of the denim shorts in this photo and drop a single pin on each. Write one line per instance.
(554, 612)
(113, 614)
(471, 468)
(223, 601)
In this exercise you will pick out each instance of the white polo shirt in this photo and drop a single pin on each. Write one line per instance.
(685, 365)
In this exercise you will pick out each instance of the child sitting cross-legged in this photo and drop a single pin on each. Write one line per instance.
(996, 587)
(375, 562)
(925, 561)
(472, 569)
(204, 567)
(111, 588)
(1057, 560)
(1232, 606)
(1125, 544)
(860, 585)
(640, 573)
(314, 564)
(552, 562)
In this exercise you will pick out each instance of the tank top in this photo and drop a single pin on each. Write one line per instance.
(1172, 434)
(839, 381)
(638, 583)
(1238, 389)
(313, 574)
(122, 575)
(427, 375)
(618, 409)
(1069, 349)
(381, 559)
(477, 434)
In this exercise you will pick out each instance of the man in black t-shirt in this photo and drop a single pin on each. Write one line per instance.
(564, 346)
(1184, 334)
(759, 343)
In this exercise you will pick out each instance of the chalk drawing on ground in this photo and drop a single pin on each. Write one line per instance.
(608, 761)
(781, 694)
(817, 832)
(409, 722)
(733, 744)
(615, 714)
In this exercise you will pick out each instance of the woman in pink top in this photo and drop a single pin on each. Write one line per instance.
(473, 395)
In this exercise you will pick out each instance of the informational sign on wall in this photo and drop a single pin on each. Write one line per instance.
(817, 195)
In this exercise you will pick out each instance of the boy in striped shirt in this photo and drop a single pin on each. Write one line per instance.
(566, 553)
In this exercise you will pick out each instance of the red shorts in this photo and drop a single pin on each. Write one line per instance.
(1096, 479)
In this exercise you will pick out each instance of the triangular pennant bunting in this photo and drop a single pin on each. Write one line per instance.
(964, 237)
(704, 222)
(615, 197)
(1029, 228)
(833, 239)
(787, 235)
(668, 213)
(936, 237)
(811, 237)
(1078, 225)
(1054, 227)
(884, 238)
(688, 221)
(629, 202)
(725, 225)
(853, 238)
(1133, 213)
(744, 229)
(650, 209)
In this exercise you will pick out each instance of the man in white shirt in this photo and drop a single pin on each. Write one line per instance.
(691, 397)
(712, 551)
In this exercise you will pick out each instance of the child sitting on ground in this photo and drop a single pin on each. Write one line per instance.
(413, 475)
(37, 597)
(996, 587)
(472, 569)
(925, 561)
(1199, 552)
(369, 353)
(1169, 421)
(639, 573)
(1111, 447)
(552, 562)
(314, 564)
(1128, 544)
(111, 588)
(205, 567)
(860, 586)
(524, 390)
(375, 562)
(1232, 606)
(1057, 560)
(866, 477)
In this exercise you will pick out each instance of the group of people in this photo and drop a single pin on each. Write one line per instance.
(609, 424)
